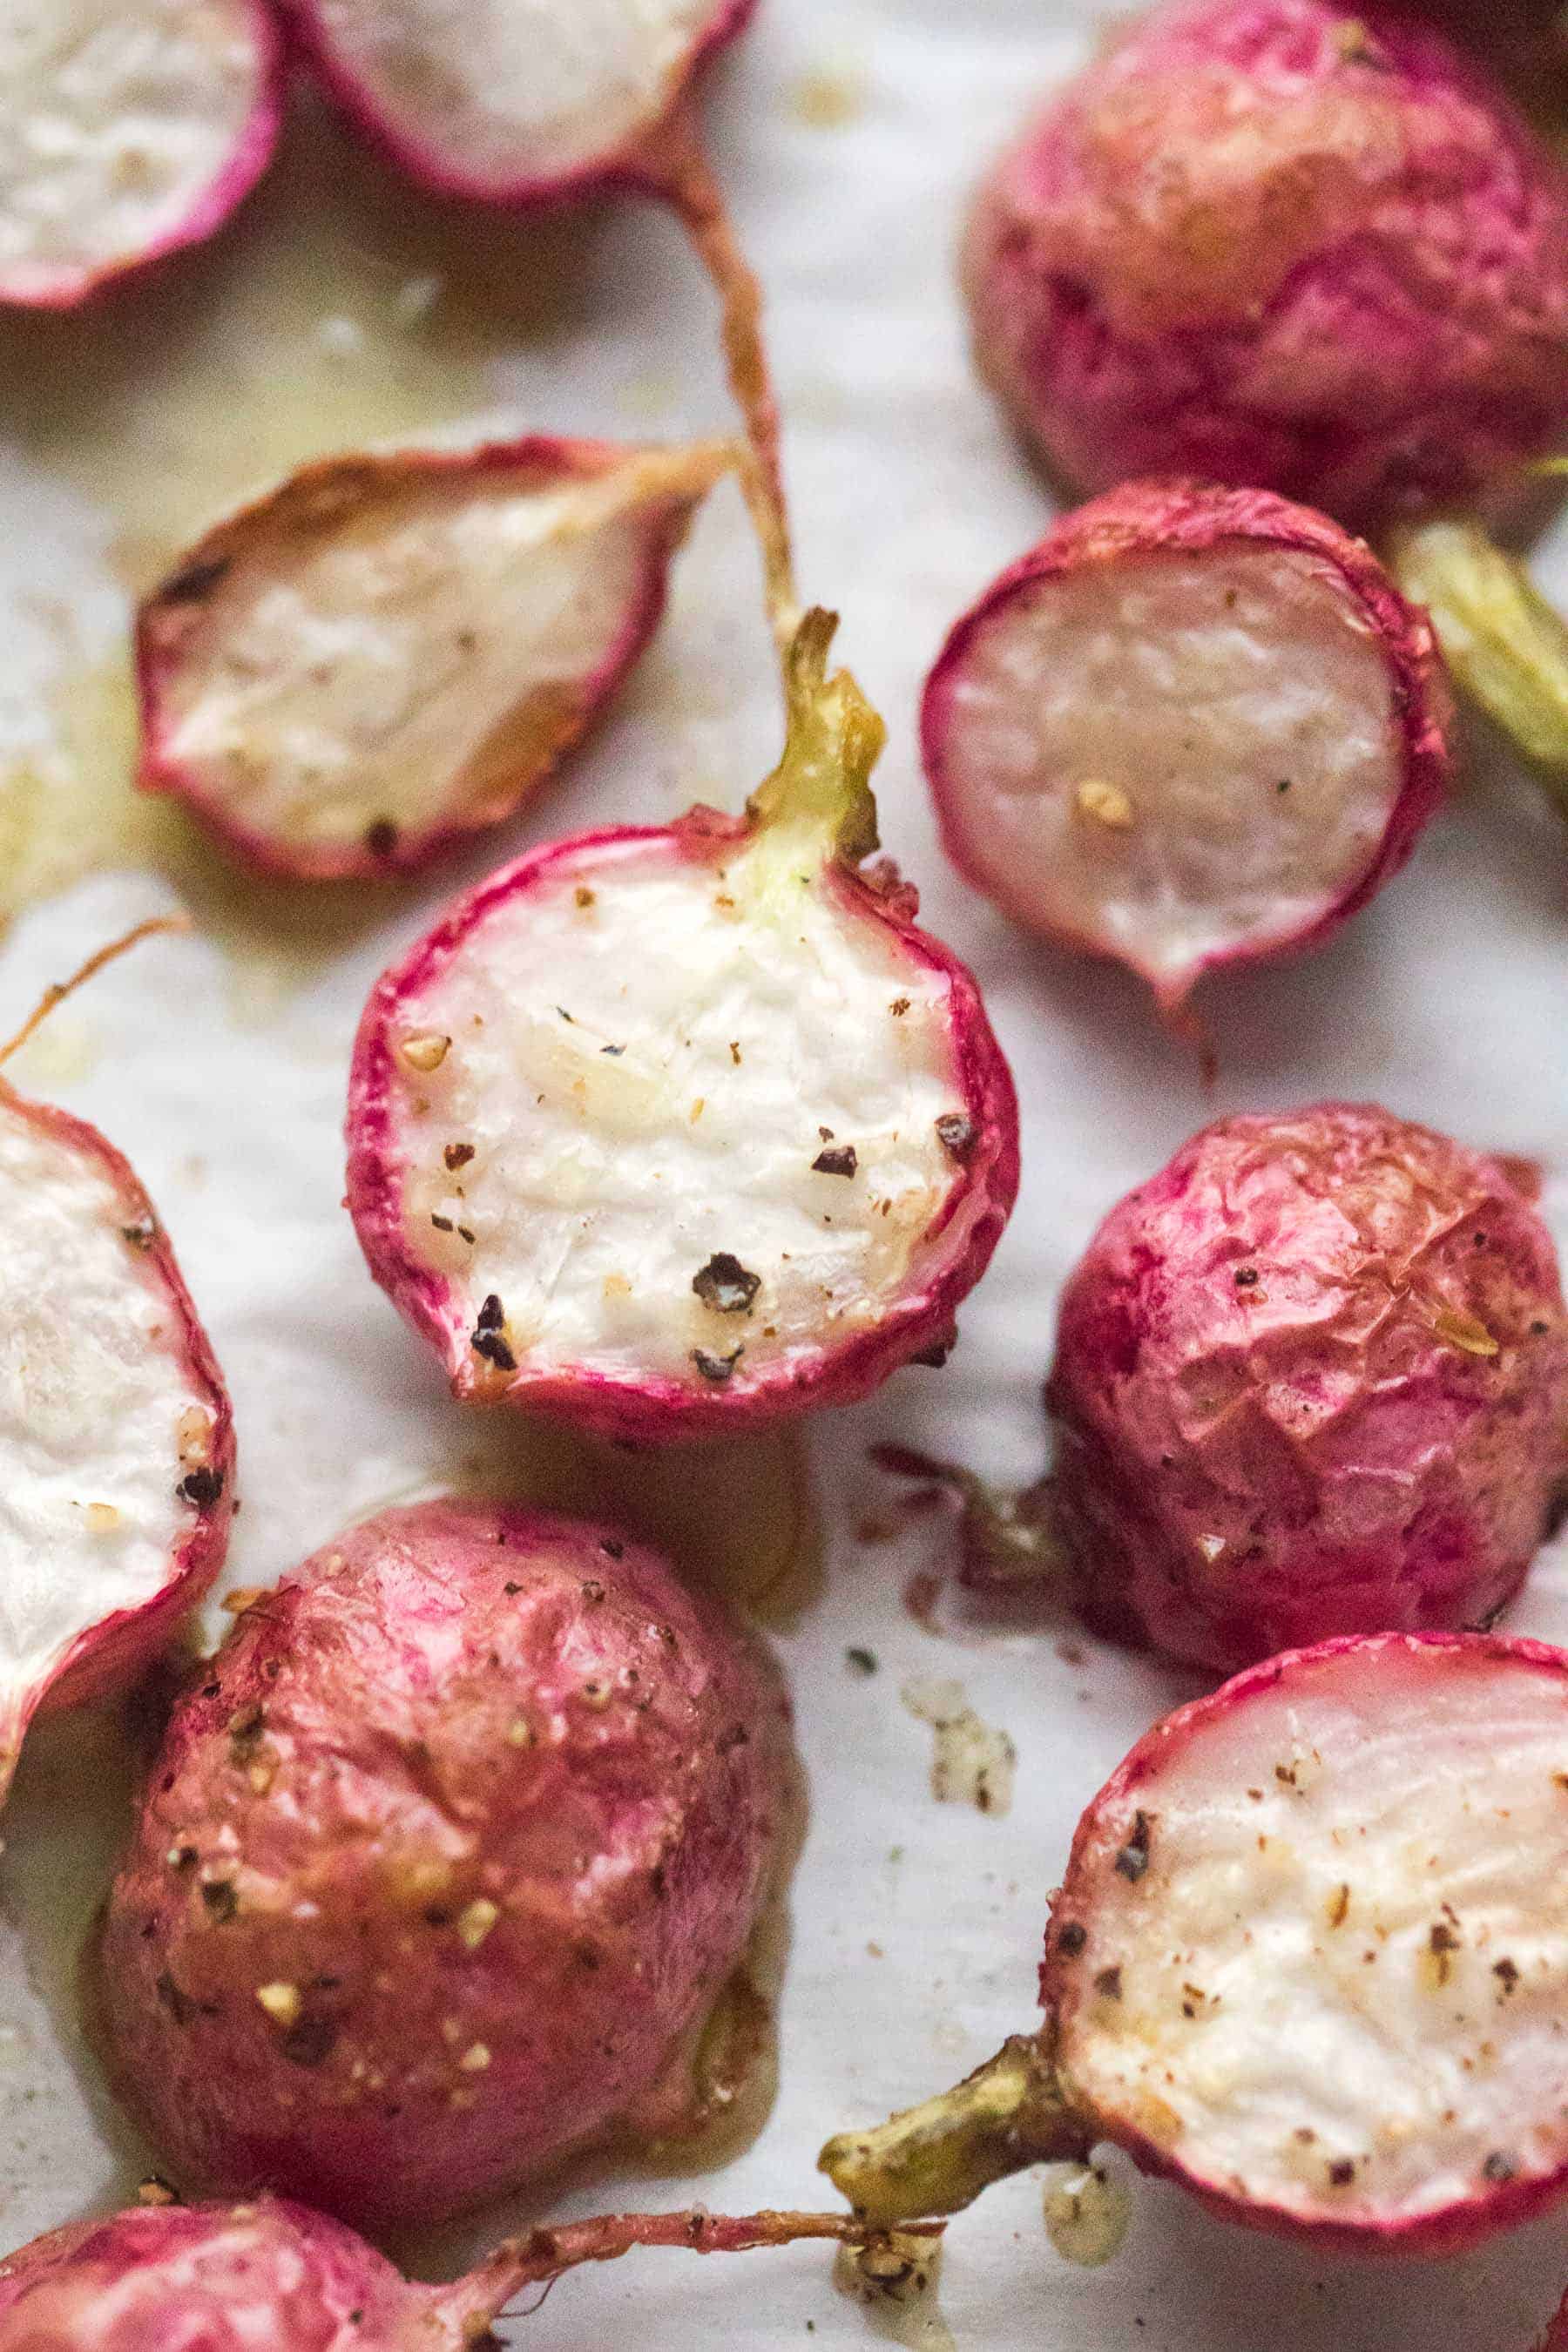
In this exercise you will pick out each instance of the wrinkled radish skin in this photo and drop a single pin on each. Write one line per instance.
(1193, 726)
(389, 652)
(1310, 1379)
(1279, 242)
(445, 1854)
(1324, 1948)
(128, 129)
(513, 100)
(661, 1130)
(116, 1446)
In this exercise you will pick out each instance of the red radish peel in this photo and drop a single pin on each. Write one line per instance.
(541, 101)
(271, 2276)
(1191, 727)
(1295, 1967)
(386, 652)
(128, 129)
(669, 1131)
(1310, 1379)
(115, 1429)
(447, 1854)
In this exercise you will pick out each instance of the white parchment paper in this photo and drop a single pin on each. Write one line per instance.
(849, 132)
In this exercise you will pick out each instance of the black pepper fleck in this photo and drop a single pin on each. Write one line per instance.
(955, 1134)
(202, 1487)
(381, 838)
(838, 1160)
(1133, 1859)
(717, 1369)
(726, 1285)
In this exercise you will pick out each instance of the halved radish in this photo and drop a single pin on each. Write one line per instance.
(270, 2276)
(1310, 1961)
(390, 651)
(128, 129)
(116, 1438)
(1193, 726)
(1310, 1379)
(664, 1130)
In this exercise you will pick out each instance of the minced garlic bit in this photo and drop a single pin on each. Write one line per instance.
(475, 1921)
(102, 1519)
(282, 2003)
(475, 2059)
(425, 1052)
(973, 1762)
(1107, 803)
(1461, 1330)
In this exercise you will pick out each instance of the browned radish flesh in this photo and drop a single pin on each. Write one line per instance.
(128, 129)
(513, 100)
(1309, 1960)
(388, 652)
(116, 1437)
(273, 2277)
(445, 1856)
(665, 1131)
(1193, 726)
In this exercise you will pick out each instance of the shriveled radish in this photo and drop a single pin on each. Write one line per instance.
(116, 1438)
(128, 129)
(1294, 243)
(390, 651)
(1309, 1961)
(1310, 1379)
(513, 102)
(273, 2276)
(1193, 726)
(446, 1853)
(667, 1131)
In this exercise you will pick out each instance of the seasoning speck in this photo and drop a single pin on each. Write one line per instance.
(717, 1369)
(838, 1160)
(726, 1285)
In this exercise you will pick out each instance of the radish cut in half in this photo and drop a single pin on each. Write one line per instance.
(512, 102)
(1193, 726)
(388, 652)
(663, 1130)
(116, 1439)
(273, 2276)
(128, 129)
(1309, 1960)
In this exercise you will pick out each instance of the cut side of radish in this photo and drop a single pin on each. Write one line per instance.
(116, 1445)
(1193, 726)
(658, 1128)
(128, 129)
(513, 100)
(388, 652)
(1312, 1954)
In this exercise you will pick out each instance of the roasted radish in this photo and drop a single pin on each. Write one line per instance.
(1311, 1378)
(389, 652)
(116, 1439)
(270, 2276)
(1193, 726)
(1292, 243)
(665, 1131)
(446, 1855)
(128, 129)
(1310, 1961)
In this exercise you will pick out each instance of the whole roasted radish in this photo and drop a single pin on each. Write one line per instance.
(1289, 242)
(270, 2276)
(1194, 727)
(128, 129)
(1310, 1379)
(671, 1131)
(446, 1855)
(116, 1437)
(389, 652)
(1309, 1960)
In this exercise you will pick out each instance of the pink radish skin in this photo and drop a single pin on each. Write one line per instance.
(447, 1850)
(1289, 242)
(116, 1439)
(553, 1093)
(481, 608)
(1119, 752)
(271, 2276)
(54, 254)
(1310, 1379)
(389, 75)
(1308, 1962)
